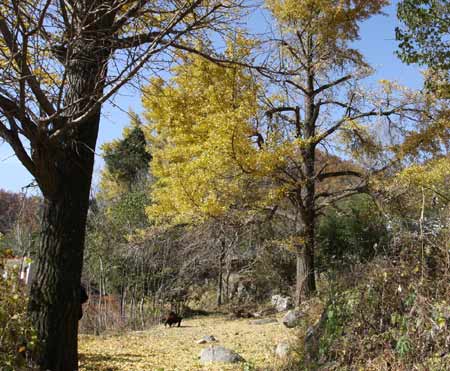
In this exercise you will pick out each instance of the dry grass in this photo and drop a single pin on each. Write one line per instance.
(176, 349)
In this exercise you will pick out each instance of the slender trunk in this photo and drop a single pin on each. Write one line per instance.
(220, 278)
(227, 283)
(309, 258)
(220, 288)
(141, 311)
(306, 283)
(101, 317)
(122, 303)
(133, 309)
(301, 275)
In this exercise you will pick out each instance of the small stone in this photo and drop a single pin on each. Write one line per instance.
(292, 318)
(206, 339)
(282, 349)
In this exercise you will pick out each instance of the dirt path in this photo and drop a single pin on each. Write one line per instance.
(176, 349)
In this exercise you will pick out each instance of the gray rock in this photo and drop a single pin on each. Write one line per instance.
(282, 349)
(281, 303)
(219, 354)
(292, 318)
(263, 321)
(206, 339)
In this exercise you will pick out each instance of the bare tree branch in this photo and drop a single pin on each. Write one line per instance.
(29, 76)
(331, 84)
(335, 174)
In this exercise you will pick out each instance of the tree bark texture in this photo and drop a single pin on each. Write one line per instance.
(64, 173)
(306, 283)
(55, 293)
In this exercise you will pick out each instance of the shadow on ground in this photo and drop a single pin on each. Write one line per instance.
(97, 362)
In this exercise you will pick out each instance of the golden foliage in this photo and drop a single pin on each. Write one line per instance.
(325, 25)
(200, 134)
(434, 175)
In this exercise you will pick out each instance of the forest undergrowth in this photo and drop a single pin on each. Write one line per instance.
(390, 314)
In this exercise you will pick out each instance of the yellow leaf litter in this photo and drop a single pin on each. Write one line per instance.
(176, 348)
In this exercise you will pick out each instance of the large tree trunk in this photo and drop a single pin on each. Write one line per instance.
(55, 293)
(64, 172)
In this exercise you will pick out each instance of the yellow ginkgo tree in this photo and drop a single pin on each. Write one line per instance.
(198, 122)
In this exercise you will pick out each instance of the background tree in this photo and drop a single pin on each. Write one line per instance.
(197, 122)
(9, 210)
(424, 39)
(320, 104)
(127, 159)
(194, 122)
(424, 32)
(57, 71)
(352, 233)
(19, 222)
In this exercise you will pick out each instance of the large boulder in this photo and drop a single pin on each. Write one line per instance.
(292, 318)
(281, 303)
(219, 354)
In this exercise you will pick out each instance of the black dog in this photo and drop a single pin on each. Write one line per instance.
(171, 319)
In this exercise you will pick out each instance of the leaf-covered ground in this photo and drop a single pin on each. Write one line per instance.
(175, 348)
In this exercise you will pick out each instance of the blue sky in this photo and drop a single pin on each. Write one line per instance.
(377, 44)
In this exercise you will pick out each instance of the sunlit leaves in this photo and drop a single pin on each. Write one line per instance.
(435, 175)
(200, 132)
(324, 27)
